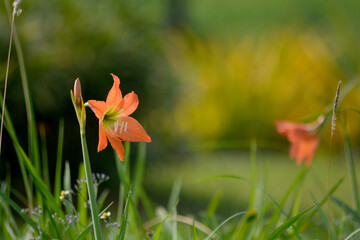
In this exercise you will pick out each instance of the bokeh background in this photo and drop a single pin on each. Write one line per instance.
(211, 76)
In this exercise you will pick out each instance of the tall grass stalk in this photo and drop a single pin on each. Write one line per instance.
(57, 184)
(34, 152)
(333, 125)
(6, 78)
(11, 130)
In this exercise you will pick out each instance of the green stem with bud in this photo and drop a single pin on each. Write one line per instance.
(81, 116)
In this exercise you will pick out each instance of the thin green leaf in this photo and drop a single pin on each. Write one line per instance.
(88, 227)
(352, 234)
(67, 187)
(253, 148)
(174, 199)
(57, 184)
(214, 204)
(41, 186)
(44, 155)
(325, 220)
(174, 195)
(146, 203)
(322, 202)
(17, 209)
(139, 170)
(82, 197)
(353, 213)
(132, 204)
(225, 221)
(102, 197)
(53, 223)
(287, 224)
(121, 168)
(10, 128)
(125, 218)
(158, 229)
(221, 177)
(194, 235)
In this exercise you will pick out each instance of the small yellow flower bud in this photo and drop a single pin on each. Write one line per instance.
(105, 215)
(64, 194)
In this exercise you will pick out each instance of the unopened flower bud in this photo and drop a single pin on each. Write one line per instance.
(77, 92)
(78, 103)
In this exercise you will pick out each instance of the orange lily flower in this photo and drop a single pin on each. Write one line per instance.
(304, 138)
(115, 124)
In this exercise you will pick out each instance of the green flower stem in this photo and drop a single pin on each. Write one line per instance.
(91, 189)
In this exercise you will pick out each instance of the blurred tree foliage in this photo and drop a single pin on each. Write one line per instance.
(203, 70)
(63, 40)
(245, 64)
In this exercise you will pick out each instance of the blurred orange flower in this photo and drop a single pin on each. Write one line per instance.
(304, 138)
(115, 124)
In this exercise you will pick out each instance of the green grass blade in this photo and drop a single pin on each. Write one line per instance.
(174, 195)
(225, 221)
(11, 131)
(287, 224)
(82, 197)
(229, 176)
(121, 168)
(102, 197)
(325, 220)
(17, 209)
(352, 234)
(158, 229)
(146, 203)
(57, 183)
(123, 180)
(5, 210)
(214, 204)
(173, 200)
(299, 179)
(347, 209)
(307, 220)
(88, 227)
(222, 176)
(253, 172)
(41, 186)
(8, 231)
(53, 223)
(33, 142)
(67, 187)
(194, 235)
(139, 169)
(124, 218)
(44, 155)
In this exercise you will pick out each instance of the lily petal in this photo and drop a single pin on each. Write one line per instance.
(102, 138)
(130, 130)
(131, 102)
(98, 107)
(117, 145)
(114, 96)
